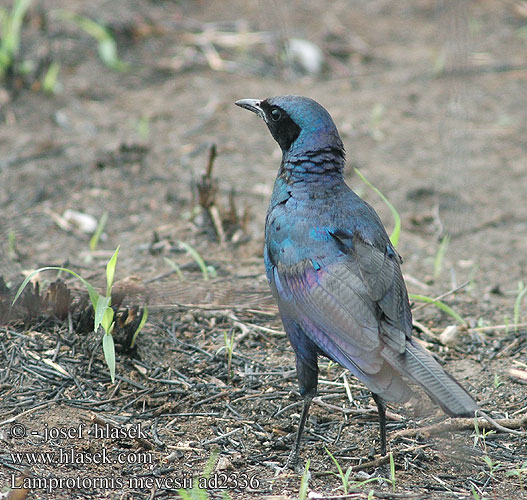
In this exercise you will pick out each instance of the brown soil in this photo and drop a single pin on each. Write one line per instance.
(430, 99)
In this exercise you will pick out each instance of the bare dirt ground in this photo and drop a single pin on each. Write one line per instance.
(430, 99)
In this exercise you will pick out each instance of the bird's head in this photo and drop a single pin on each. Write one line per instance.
(297, 123)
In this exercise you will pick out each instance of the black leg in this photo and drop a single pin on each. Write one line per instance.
(381, 407)
(292, 461)
(307, 372)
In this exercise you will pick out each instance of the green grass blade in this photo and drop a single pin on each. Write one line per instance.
(396, 232)
(100, 308)
(141, 324)
(91, 291)
(211, 463)
(108, 348)
(110, 271)
(107, 320)
(94, 241)
(11, 37)
(49, 84)
(392, 471)
(340, 472)
(175, 267)
(197, 257)
(86, 24)
(439, 305)
(304, 483)
(107, 47)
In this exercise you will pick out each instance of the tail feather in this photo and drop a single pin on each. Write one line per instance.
(419, 366)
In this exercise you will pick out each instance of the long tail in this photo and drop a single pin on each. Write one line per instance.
(419, 366)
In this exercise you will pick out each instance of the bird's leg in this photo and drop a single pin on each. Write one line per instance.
(292, 461)
(307, 372)
(381, 407)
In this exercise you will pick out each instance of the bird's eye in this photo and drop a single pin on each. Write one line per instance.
(276, 114)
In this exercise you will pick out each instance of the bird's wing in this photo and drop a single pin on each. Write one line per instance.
(352, 306)
(333, 309)
(379, 267)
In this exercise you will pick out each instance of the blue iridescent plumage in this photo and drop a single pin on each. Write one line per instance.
(334, 272)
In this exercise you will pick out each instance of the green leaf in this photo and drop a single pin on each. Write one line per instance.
(91, 291)
(394, 237)
(88, 25)
(108, 51)
(340, 472)
(141, 325)
(49, 84)
(108, 348)
(110, 271)
(13, 25)
(107, 47)
(197, 257)
(392, 471)
(107, 320)
(175, 267)
(184, 494)
(211, 463)
(439, 305)
(102, 304)
(304, 483)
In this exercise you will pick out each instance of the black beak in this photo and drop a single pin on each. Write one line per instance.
(252, 105)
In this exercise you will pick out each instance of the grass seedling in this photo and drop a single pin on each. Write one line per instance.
(518, 472)
(304, 483)
(94, 241)
(506, 323)
(392, 471)
(481, 436)
(49, 84)
(206, 271)
(475, 494)
(440, 255)
(103, 311)
(176, 268)
(142, 323)
(440, 305)
(522, 290)
(106, 47)
(497, 381)
(394, 237)
(344, 476)
(10, 26)
(493, 466)
(198, 491)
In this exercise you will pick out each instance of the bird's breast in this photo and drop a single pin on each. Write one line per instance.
(296, 232)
